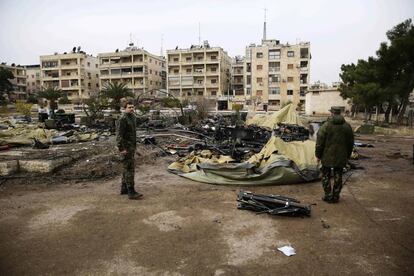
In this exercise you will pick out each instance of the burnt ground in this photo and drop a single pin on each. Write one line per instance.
(55, 226)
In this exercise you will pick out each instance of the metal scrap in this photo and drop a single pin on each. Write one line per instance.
(272, 204)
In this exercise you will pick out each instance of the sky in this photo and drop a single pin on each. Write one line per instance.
(340, 32)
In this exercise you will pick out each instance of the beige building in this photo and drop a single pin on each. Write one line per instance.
(276, 73)
(19, 81)
(141, 71)
(237, 91)
(199, 72)
(33, 81)
(75, 73)
(321, 97)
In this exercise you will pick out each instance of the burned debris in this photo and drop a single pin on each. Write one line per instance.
(272, 204)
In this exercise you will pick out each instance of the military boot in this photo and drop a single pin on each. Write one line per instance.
(132, 194)
(124, 189)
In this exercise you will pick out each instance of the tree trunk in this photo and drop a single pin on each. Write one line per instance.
(353, 110)
(366, 115)
(387, 114)
(402, 111)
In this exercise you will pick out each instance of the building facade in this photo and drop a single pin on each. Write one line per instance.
(75, 73)
(200, 72)
(19, 81)
(276, 74)
(237, 91)
(141, 71)
(33, 81)
(321, 97)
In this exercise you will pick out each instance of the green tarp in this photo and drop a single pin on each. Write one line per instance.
(277, 163)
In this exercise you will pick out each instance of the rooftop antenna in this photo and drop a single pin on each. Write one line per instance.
(130, 40)
(162, 42)
(199, 34)
(264, 25)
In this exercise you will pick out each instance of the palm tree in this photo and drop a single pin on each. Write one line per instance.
(52, 94)
(116, 91)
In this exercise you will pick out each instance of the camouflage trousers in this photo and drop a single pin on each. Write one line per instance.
(332, 192)
(128, 170)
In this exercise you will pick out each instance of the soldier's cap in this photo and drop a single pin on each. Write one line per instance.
(335, 110)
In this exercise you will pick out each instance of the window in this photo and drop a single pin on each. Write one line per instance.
(248, 91)
(32, 76)
(248, 79)
(97, 75)
(290, 79)
(259, 92)
(290, 66)
(188, 58)
(200, 92)
(150, 71)
(275, 91)
(259, 55)
(259, 67)
(274, 79)
(214, 69)
(89, 64)
(274, 66)
(213, 93)
(176, 59)
(291, 53)
(151, 82)
(155, 62)
(213, 58)
(188, 70)
(97, 85)
(89, 84)
(274, 54)
(89, 75)
(150, 60)
(96, 65)
(213, 81)
(274, 102)
(176, 71)
(259, 80)
(289, 92)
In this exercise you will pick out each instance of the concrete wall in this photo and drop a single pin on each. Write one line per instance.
(320, 102)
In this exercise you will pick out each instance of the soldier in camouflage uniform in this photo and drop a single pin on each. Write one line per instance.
(126, 142)
(334, 144)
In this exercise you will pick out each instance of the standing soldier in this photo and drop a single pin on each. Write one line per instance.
(334, 144)
(126, 142)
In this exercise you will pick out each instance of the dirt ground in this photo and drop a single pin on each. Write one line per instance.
(182, 227)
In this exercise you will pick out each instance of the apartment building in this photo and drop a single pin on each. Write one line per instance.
(276, 74)
(199, 72)
(75, 73)
(141, 71)
(33, 81)
(237, 91)
(19, 81)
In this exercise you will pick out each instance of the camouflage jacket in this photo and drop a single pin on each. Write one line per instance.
(334, 143)
(126, 136)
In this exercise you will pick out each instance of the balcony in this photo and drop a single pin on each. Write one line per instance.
(199, 84)
(68, 77)
(212, 73)
(175, 84)
(198, 72)
(212, 85)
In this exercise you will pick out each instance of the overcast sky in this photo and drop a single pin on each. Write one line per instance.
(339, 31)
